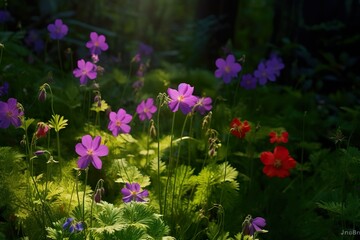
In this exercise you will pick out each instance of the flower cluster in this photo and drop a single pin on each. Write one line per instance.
(266, 71)
(88, 69)
(183, 99)
(133, 192)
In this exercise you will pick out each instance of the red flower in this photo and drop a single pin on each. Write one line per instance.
(42, 129)
(277, 164)
(238, 128)
(283, 138)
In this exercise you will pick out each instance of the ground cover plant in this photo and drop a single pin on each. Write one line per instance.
(106, 135)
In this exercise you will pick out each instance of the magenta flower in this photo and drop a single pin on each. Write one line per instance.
(227, 69)
(203, 105)
(58, 30)
(85, 71)
(248, 81)
(182, 98)
(146, 109)
(97, 43)
(119, 122)
(132, 192)
(264, 73)
(10, 113)
(89, 151)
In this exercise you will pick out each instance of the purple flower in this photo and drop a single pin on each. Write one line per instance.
(4, 89)
(97, 43)
(132, 192)
(119, 122)
(73, 226)
(182, 98)
(203, 105)
(144, 49)
(58, 30)
(5, 16)
(227, 69)
(276, 64)
(252, 225)
(90, 150)
(248, 81)
(10, 113)
(264, 73)
(33, 40)
(85, 71)
(146, 109)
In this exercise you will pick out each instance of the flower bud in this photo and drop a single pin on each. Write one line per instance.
(42, 129)
(42, 95)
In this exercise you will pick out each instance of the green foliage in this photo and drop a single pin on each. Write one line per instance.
(58, 122)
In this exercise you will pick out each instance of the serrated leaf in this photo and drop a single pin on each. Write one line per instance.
(130, 174)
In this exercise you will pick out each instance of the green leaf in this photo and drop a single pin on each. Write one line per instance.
(58, 122)
(129, 174)
(26, 124)
(102, 108)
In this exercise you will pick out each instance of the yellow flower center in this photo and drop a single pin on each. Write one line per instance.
(180, 98)
(118, 123)
(89, 152)
(277, 163)
(227, 69)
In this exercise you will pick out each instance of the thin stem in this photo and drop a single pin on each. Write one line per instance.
(170, 161)
(59, 155)
(59, 55)
(158, 153)
(83, 201)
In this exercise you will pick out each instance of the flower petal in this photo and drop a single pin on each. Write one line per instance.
(87, 141)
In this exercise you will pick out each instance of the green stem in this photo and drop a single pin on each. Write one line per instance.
(176, 166)
(59, 55)
(52, 98)
(226, 160)
(83, 200)
(170, 161)
(158, 154)
(59, 155)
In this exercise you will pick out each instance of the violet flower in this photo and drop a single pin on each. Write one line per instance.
(4, 89)
(34, 41)
(146, 109)
(5, 16)
(10, 113)
(119, 122)
(248, 81)
(276, 64)
(85, 71)
(203, 105)
(227, 69)
(144, 49)
(97, 43)
(58, 30)
(133, 192)
(73, 226)
(264, 73)
(182, 98)
(90, 150)
(253, 225)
